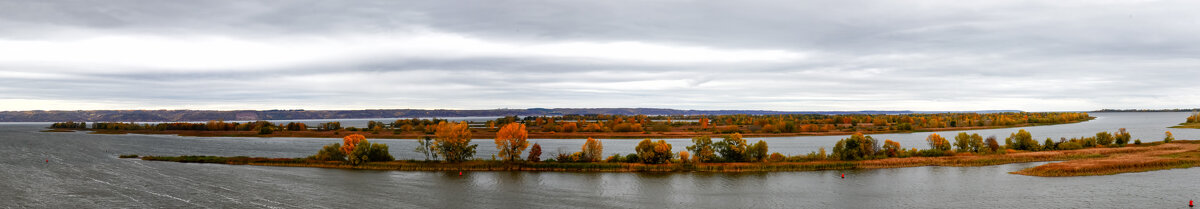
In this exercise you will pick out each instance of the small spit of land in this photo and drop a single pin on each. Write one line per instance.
(1193, 121)
(1082, 162)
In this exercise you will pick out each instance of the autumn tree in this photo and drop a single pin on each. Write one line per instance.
(511, 141)
(654, 152)
(732, 148)
(453, 141)
(992, 144)
(1121, 137)
(936, 142)
(891, 148)
(703, 123)
(349, 142)
(703, 147)
(535, 153)
(591, 151)
(962, 142)
(684, 157)
(1170, 137)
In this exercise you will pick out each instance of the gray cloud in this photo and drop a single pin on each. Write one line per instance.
(781, 55)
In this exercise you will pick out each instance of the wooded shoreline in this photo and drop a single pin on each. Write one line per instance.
(1082, 162)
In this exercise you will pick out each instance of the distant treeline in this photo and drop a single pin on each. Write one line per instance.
(1149, 110)
(250, 115)
(718, 124)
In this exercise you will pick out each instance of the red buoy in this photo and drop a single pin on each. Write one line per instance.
(1190, 203)
(843, 175)
(47, 160)
(460, 173)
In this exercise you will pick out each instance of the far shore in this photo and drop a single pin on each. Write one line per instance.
(480, 134)
(1082, 162)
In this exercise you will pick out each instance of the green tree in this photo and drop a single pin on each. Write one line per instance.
(757, 152)
(702, 146)
(369, 152)
(331, 152)
(962, 142)
(1104, 138)
(1048, 144)
(976, 142)
(732, 148)
(1022, 140)
(857, 147)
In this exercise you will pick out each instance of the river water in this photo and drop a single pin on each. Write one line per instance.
(79, 170)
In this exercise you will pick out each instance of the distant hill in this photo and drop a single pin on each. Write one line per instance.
(1148, 110)
(205, 115)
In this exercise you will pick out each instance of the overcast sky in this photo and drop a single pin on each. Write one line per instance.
(774, 55)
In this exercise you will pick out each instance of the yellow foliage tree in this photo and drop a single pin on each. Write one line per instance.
(511, 141)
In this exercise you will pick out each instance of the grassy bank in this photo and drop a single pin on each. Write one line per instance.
(1187, 125)
(1083, 162)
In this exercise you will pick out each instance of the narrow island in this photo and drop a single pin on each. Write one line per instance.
(610, 126)
(1103, 154)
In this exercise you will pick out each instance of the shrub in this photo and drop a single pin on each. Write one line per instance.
(331, 152)
(1121, 137)
(1048, 144)
(1137, 142)
(776, 157)
(857, 147)
(1069, 146)
(1169, 137)
(127, 156)
(369, 152)
(654, 152)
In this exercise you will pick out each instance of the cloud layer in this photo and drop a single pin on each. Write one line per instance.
(777, 55)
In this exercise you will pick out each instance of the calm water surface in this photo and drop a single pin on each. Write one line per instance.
(83, 171)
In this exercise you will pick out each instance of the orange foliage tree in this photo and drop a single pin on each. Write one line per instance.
(511, 141)
(350, 141)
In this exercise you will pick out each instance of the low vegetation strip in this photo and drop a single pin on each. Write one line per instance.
(1179, 154)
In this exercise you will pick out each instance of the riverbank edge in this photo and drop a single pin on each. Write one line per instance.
(536, 135)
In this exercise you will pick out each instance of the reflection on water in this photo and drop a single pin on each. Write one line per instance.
(83, 172)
